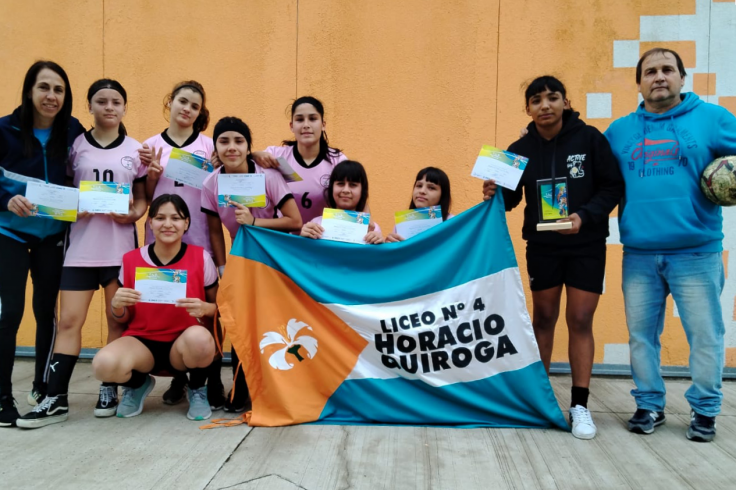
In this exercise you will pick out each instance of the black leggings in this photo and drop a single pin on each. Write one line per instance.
(44, 259)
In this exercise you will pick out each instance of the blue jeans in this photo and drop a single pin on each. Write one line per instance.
(696, 282)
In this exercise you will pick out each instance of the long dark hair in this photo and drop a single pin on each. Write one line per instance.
(351, 171)
(540, 84)
(203, 120)
(179, 204)
(324, 143)
(104, 83)
(58, 144)
(438, 177)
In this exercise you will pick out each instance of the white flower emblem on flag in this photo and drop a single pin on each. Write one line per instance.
(292, 341)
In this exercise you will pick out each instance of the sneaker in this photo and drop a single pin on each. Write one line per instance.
(177, 390)
(199, 406)
(107, 401)
(644, 421)
(8, 412)
(51, 410)
(216, 395)
(702, 428)
(240, 403)
(132, 401)
(583, 426)
(35, 396)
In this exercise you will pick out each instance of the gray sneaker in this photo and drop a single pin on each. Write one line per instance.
(132, 402)
(199, 406)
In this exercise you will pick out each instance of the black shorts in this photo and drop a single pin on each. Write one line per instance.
(161, 352)
(581, 267)
(88, 278)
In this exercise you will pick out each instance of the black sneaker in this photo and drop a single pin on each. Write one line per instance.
(240, 402)
(8, 413)
(644, 421)
(107, 401)
(215, 394)
(36, 395)
(177, 390)
(52, 410)
(702, 428)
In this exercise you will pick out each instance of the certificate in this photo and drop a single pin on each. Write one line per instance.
(52, 201)
(163, 286)
(287, 171)
(246, 189)
(414, 221)
(502, 166)
(187, 168)
(104, 197)
(345, 226)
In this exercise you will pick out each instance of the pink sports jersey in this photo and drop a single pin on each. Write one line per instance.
(310, 192)
(98, 241)
(198, 144)
(277, 193)
(318, 220)
(210, 271)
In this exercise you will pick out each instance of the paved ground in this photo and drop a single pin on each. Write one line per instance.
(161, 449)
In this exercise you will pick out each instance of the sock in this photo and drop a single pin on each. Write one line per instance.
(579, 396)
(197, 377)
(180, 377)
(238, 374)
(214, 372)
(112, 385)
(137, 379)
(61, 368)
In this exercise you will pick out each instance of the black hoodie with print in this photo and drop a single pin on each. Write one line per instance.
(594, 183)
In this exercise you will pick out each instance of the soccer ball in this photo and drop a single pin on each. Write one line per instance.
(718, 181)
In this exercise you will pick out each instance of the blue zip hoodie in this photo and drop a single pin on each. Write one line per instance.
(662, 157)
(16, 170)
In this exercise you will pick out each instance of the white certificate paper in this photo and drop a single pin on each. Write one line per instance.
(345, 226)
(412, 222)
(162, 286)
(287, 171)
(52, 201)
(104, 197)
(246, 189)
(502, 166)
(187, 168)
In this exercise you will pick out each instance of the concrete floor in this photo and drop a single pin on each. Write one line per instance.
(161, 449)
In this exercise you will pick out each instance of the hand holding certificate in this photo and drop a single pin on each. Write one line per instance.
(246, 189)
(52, 201)
(187, 168)
(345, 226)
(104, 197)
(412, 222)
(502, 166)
(162, 286)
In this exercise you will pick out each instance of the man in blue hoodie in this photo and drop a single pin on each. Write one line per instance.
(672, 237)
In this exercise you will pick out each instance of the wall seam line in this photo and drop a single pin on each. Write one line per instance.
(498, 60)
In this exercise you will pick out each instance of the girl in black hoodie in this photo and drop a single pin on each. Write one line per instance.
(561, 146)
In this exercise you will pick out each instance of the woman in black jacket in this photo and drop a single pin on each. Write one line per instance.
(573, 175)
(34, 144)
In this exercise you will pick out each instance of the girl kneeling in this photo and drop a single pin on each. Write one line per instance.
(347, 190)
(163, 337)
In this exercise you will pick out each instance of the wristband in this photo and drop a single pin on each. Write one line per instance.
(118, 316)
(254, 221)
(221, 270)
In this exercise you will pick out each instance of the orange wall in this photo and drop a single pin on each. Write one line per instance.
(406, 84)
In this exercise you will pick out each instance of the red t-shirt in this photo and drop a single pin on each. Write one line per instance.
(163, 322)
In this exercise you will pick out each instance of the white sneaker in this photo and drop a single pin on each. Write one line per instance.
(583, 426)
